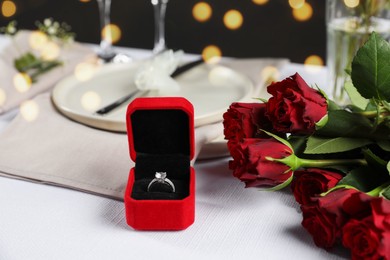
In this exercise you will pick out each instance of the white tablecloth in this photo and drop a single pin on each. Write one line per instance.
(46, 222)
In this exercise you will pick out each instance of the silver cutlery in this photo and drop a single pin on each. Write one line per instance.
(106, 109)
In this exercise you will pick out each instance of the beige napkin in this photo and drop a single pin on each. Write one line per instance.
(54, 150)
(71, 55)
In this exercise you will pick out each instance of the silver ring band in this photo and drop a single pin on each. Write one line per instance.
(161, 177)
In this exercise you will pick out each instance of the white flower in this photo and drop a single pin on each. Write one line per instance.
(47, 22)
(52, 30)
(11, 30)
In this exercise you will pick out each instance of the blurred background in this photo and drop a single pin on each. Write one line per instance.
(238, 28)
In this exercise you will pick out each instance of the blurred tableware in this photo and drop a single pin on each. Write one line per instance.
(349, 24)
(160, 7)
(211, 89)
(135, 93)
(105, 51)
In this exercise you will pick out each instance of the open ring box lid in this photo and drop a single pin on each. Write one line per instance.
(161, 139)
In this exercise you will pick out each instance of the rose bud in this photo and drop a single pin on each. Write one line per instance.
(243, 120)
(295, 107)
(251, 164)
(269, 163)
(313, 181)
(325, 217)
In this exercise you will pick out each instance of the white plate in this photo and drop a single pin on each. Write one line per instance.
(210, 88)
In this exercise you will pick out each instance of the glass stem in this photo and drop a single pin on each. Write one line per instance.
(160, 7)
(105, 51)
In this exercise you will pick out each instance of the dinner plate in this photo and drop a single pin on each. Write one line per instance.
(210, 88)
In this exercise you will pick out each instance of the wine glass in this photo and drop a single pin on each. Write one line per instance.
(105, 51)
(160, 7)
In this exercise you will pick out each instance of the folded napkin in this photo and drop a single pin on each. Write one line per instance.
(52, 149)
(71, 55)
(155, 73)
(49, 148)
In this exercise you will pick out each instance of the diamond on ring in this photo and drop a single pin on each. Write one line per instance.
(161, 177)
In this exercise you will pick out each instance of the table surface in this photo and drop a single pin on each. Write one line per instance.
(46, 222)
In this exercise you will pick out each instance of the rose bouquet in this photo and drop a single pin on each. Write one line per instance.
(336, 159)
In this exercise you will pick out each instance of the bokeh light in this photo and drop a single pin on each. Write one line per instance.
(22, 82)
(29, 110)
(37, 40)
(111, 33)
(50, 51)
(8, 8)
(314, 60)
(304, 13)
(85, 70)
(85, 1)
(202, 11)
(270, 74)
(91, 101)
(233, 19)
(3, 97)
(351, 3)
(211, 54)
(313, 63)
(260, 2)
(296, 4)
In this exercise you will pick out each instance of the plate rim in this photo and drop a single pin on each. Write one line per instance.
(116, 125)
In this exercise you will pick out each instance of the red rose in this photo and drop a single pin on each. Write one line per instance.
(324, 217)
(313, 181)
(381, 213)
(251, 166)
(358, 205)
(362, 238)
(381, 218)
(295, 107)
(368, 237)
(243, 120)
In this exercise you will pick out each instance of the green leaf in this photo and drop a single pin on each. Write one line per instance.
(371, 69)
(388, 167)
(374, 160)
(261, 99)
(26, 61)
(355, 96)
(298, 143)
(323, 121)
(363, 179)
(322, 145)
(346, 124)
(384, 144)
(386, 193)
(283, 141)
(332, 105)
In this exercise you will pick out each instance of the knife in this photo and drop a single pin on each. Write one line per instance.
(180, 70)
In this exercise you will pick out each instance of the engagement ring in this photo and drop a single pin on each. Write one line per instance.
(161, 178)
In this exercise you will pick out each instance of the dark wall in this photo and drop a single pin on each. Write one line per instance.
(268, 30)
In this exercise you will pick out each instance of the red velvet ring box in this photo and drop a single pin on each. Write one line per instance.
(161, 139)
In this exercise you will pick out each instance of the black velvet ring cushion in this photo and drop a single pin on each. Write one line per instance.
(161, 141)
